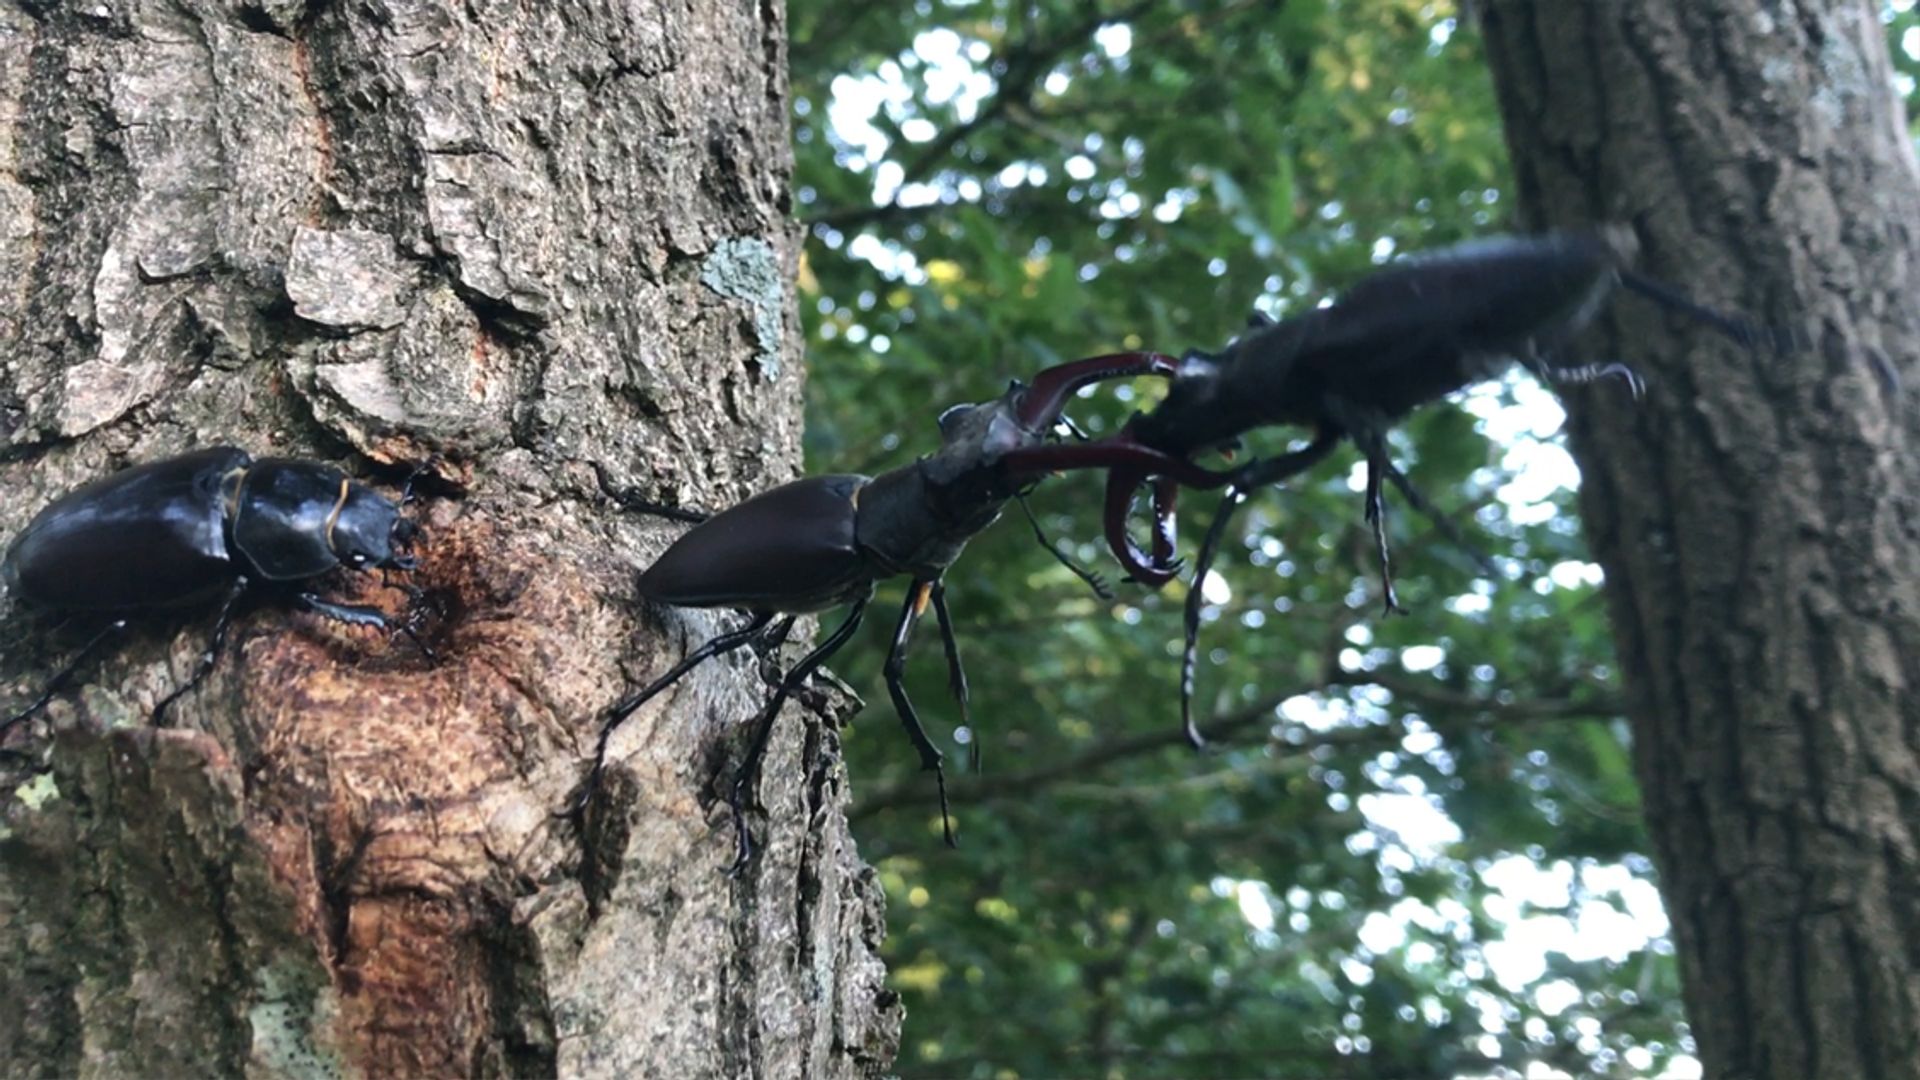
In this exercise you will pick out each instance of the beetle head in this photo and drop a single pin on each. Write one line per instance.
(369, 532)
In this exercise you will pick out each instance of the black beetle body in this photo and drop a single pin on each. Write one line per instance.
(150, 536)
(183, 529)
(790, 549)
(1407, 335)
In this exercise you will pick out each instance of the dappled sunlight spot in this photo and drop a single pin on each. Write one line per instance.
(1381, 933)
(1469, 604)
(1519, 958)
(1416, 822)
(1255, 907)
(1114, 39)
(1540, 471)
(1574, 574)
(1422, 658)
(997, 909)
(1522, 881)
(1556, 996)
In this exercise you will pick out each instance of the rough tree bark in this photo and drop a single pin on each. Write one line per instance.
(1756, 514)
(530, 238)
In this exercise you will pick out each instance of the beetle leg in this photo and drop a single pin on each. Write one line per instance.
(1093, 580)
(1740, 331)
(350, 614)
(60, 677)
(1445, 525)
(627, 500)
(1263, 471)
(724, 643)
(366, 615)
(895, 670)
(763, 728)
(956, 675)
(215, 642)
(1189, 659)
(1368, 431)
(1376, 513)
(769, 645)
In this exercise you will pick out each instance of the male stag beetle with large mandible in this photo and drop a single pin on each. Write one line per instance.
(823, 541)
(1401, 338)
(211, 523)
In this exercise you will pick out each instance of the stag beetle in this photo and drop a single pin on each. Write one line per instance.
(1401, 338)
(184, 529)
(824, 541)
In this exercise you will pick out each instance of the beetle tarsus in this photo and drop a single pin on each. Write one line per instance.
(1581, 374)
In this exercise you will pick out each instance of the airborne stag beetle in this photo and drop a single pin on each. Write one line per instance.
(1399, 339)
(182, 530)
(823, 541)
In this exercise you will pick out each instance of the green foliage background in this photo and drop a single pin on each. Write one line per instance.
(1106, 188)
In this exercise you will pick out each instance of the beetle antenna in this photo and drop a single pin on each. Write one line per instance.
(1094, 581)
(1189, 658)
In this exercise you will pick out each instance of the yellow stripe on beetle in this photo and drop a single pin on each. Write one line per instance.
(338, 505)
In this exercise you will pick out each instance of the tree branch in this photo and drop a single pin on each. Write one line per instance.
(1230, 726)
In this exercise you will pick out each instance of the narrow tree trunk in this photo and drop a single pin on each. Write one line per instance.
(532, 239)
(1756, 514)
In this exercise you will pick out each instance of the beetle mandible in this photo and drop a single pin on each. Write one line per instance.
(182, 530)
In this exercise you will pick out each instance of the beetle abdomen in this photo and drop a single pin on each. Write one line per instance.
(790, 549)
(148, 536)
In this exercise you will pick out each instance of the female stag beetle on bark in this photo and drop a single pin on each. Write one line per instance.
(182, 530)
(1401, 338)
(824, 541)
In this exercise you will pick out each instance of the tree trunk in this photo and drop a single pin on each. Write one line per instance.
(1755, 516)
(533, 240)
